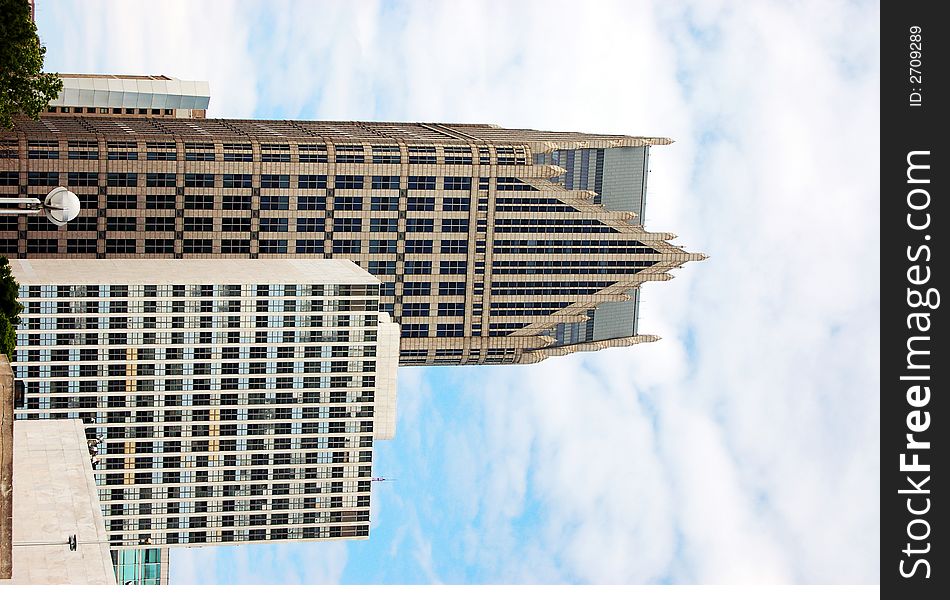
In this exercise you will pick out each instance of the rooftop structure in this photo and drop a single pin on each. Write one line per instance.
(152, 96)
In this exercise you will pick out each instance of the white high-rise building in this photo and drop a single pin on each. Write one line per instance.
(226, 401)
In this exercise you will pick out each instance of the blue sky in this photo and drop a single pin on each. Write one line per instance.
(743, 446)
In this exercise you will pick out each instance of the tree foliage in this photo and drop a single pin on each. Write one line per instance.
(7, 337)
(10, 308)
(24, 88)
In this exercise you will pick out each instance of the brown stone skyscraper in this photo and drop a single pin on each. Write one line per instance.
(495, 246)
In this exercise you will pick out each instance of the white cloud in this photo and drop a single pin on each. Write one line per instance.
(757, 461)
(189, 40)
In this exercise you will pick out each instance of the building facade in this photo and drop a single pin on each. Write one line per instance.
(142, 96)
(493, 245)
(141, 566)
(225, 401)
(54, 498)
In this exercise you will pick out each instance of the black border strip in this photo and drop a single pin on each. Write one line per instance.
(915, 372)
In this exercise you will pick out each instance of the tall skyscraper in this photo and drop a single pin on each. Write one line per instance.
(494, 245)
(226, 401)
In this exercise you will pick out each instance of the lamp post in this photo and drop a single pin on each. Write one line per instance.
(60, 206)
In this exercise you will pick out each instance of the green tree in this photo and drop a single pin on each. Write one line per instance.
(7, 337)
(10, 308)
(24, 88)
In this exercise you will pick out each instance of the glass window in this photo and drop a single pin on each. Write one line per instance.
(73, 179)
(275, 181)
(199, 224)
(235, 246)
(422, 155)
(415, 330)
(417, 288)
(382, 267)
(273, 246)
(310, 225)
(451, 288)
(452, 267)
(159, 246)
(121, 201)
(312, 181)
(454, 246)
(419, 246)
(159, 223)
(205, 180)
(458, 183)
(160, 201)
(451, 309)
(390, 225)
(420, 204)
(456, 204)
(235, 224)
(385, 182)
(347, 203)
(275, 202)
(197, 246)
(238, 180)
(415, 309)
(348, 182)
(311, 203)
(454, 225)
(309, 246)
(269, 224)
(419, 225)
(160, 179)
(346, 246)
(120, 224)
(449, 330)
(418, 267)
(378, 203)
(347, 224)
(421, 183)
(43, 178)
(199, 202)
(382, 246)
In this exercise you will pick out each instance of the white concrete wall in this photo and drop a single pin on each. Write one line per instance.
(54, 496)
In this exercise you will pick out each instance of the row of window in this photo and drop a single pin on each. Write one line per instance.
(424, 309)
(424, 288)
(421, 330)
(417, 267)
(345, 153)
(197, 290)
(232, 246)
(601, 247)
(270, 152)
(271, 398)
(247, 535)
(41, 388)
(243, 343)
(245, 180)
(106, 111)
(270, 224)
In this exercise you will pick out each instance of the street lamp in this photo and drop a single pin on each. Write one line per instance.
(60, 206)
